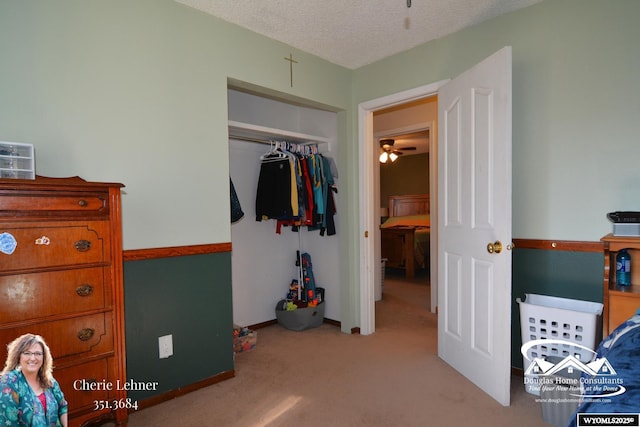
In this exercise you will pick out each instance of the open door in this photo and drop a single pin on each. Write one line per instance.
(474, 230)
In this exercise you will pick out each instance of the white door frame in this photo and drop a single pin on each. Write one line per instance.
(370, 270)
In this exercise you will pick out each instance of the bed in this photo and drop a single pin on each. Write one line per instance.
(621, 349)
(405, 234)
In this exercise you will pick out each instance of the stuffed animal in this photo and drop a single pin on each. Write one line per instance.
(291, 306)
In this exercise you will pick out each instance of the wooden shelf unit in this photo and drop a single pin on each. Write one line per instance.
(620, 302)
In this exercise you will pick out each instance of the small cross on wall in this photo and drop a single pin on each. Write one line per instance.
(291, 62)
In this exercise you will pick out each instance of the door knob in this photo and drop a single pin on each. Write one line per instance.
(495, 247)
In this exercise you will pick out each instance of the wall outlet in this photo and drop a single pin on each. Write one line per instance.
(165, 346)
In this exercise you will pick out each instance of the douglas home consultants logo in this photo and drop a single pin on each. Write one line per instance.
(594, 379)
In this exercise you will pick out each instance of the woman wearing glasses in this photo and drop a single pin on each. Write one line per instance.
(29, 395)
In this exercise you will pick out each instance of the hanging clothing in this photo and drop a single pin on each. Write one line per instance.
(295, 188)
(236, 209)
(295, 211)
(273, 197)
(328, 190)
(308, 192)
(326, 222)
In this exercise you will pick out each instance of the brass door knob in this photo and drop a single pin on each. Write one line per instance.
(495, 247)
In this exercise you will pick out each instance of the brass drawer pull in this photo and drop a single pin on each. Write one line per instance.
(86, 334)
(82, 245)
(82, 203)
(84, 290)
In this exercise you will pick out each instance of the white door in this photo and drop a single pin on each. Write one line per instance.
(474, 210)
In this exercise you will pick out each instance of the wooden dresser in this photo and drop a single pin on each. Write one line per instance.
(62, 279)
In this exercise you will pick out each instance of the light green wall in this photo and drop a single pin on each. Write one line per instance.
(134, 91)
(576, 103)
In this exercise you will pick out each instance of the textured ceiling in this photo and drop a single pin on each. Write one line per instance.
(353, 33)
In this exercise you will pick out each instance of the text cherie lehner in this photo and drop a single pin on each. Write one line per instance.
(92, 385)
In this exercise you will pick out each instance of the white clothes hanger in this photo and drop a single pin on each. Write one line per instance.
(274, 154)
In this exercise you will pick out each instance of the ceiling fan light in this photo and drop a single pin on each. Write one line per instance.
(387, 143)
(383, 157)
(393, 157)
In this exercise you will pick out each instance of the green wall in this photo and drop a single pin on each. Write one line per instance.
(188, 297)
(576, 100)
(565, 274)
(407, 175)
(135, 92)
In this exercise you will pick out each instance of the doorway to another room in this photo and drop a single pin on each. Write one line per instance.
(402, 135)
(371, 277)
(472, 191)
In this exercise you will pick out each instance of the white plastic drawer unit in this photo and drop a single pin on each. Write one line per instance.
(17, 160)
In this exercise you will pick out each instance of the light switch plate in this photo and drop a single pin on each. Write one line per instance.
(165, 346)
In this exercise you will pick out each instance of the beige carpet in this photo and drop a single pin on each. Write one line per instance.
(322, 377)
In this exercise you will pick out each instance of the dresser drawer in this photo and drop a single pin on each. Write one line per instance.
(38, 202)
(70, 338)
(85, 383)
(36, 295)
(54, 245)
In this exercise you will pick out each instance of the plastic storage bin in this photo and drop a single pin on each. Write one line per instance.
(301, 318)
(554, 318)
(245, 340)
(560, 398)
(17, 160)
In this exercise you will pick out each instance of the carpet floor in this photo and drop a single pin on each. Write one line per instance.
(322, 377)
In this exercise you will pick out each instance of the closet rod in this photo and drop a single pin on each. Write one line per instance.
(268, 141)
(246, 138)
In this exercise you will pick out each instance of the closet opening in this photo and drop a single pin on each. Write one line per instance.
(264, 252)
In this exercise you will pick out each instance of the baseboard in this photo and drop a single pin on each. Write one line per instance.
(172, 394)
(332, 322)
(262, 325)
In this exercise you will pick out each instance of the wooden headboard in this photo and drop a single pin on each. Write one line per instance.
(409, 204)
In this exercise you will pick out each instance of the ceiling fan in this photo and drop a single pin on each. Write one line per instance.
(389, 153)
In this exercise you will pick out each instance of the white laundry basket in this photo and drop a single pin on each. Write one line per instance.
(554, 318)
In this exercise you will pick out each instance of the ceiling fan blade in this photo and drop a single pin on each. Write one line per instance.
(407, 148)
(397, 152)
